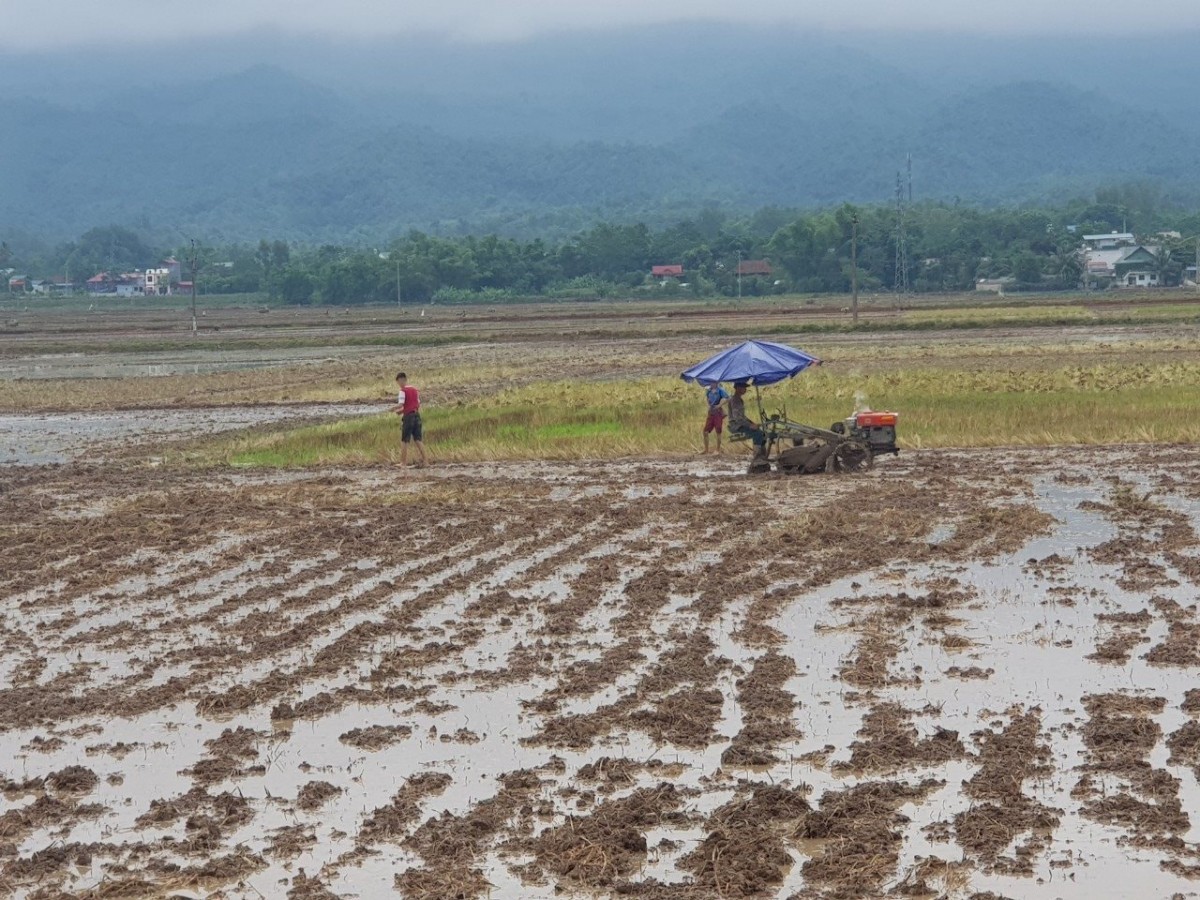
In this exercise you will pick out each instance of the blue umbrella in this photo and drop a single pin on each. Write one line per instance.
(755, 362)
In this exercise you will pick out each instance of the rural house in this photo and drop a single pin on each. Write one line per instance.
(994, 285)
(1108, 241)
(56, 284)
(158, 282)
(664, 272)
(130, 284)
(1130, 265)
(125, 285)
(759, 267)
(102, 283)
(1138, 267)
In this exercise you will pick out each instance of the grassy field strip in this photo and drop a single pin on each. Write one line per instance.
(471, 373)
(1059, 314)
(447, 331)
(938, 408)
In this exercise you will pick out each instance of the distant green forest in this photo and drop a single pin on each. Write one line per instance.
(948, 247)
(314, 143)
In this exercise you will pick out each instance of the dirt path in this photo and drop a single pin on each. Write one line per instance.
(962, 673)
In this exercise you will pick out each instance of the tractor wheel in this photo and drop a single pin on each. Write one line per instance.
(849, 456)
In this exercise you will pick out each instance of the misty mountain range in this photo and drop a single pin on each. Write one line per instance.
(239, 139)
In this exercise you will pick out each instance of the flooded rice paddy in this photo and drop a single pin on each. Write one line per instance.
(959, 675)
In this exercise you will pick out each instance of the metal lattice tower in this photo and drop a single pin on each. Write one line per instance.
(901, 277)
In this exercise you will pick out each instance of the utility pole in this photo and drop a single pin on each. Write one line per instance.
(900, 279)
(739, 274)
(910, 179)
(854, 265)
(193, 261)
(397, 282)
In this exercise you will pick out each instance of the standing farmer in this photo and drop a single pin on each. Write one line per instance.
(408, 408)
(715, 395)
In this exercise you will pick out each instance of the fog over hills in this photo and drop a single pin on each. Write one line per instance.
(356, 141)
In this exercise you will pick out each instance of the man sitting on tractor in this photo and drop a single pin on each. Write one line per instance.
(739, 423)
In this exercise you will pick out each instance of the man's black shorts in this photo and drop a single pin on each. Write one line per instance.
(410, 428)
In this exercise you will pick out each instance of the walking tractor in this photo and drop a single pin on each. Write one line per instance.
(850, 445)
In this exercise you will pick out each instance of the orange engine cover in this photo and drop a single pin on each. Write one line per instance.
(874, 419)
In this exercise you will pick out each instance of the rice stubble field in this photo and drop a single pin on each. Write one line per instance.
(964, 673)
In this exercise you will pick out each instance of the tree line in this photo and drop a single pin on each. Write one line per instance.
(947, 247)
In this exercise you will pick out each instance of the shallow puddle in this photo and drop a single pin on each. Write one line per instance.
(46, 438)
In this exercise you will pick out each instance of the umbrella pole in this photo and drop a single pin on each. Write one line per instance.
(762, 419)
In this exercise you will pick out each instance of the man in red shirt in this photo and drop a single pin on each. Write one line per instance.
(408, 408)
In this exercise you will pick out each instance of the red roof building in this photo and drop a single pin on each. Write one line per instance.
(666, 271)
(102, 283)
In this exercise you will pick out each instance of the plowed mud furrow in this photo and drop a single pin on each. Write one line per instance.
(624, 679)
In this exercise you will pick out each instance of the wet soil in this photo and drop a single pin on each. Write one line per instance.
(637, 678)
(44, 438)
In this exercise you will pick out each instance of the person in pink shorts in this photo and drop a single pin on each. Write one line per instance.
(715, 395)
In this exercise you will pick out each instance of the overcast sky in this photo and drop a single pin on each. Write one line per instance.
(35, 24)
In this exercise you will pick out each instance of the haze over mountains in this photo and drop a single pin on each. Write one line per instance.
(234, 139)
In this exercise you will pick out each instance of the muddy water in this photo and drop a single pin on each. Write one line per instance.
(407, 599)
(40, 439)
(1032, 641)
